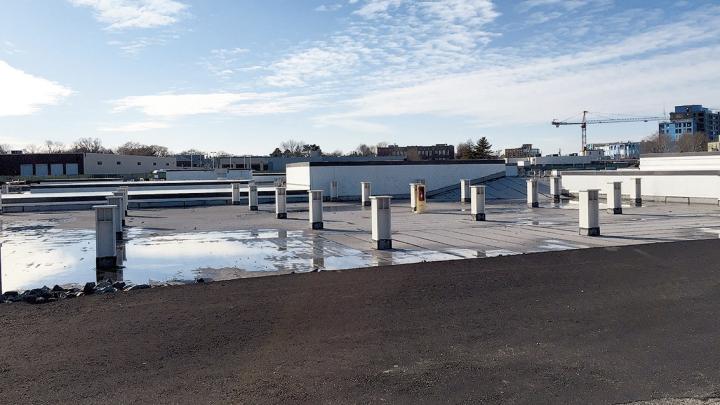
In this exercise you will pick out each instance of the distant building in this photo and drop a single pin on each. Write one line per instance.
(193, 160)
(276, 164)
(440, 151)
(75, 164)
(525, 151)
(692, 119)
(617, 150)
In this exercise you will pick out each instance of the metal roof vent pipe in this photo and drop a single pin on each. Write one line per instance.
(281, 202)
(589, 212)
(105, 236)
(636, 195)
(252, 197)
(235, 199)
(116, 201)
(334, 191)
(532, 193)
(126, 200)
(555, 188)
(465, 191)
(381, 222)
(315, 199)
(365, 193)
(614, 198)
(477, 202)
(121, 205)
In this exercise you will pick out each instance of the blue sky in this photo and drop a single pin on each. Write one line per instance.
(242, 76)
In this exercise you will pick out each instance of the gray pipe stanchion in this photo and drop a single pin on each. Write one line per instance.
(532, 193)
(589, 212)
(117, 201)
(413, 196)
(121, 211)
(381, 222)
(281, 202)
(465, 191)
(477, 202)
(315, 200)
(252, 197)
(105, 241)
(365, 193)
(614, 198)
(636, 195)
(333, 190)
(235, 196)
(126, 196)
(555, 188)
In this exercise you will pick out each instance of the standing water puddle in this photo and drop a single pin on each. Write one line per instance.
(40, 254)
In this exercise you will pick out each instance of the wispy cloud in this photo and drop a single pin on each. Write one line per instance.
(414, 42)
(135, 126)
(518, 90)
(224, 63)
(134, 46)
(329, 7)
(170, 106)
(23, 93)
(314, 63)
(123, 14)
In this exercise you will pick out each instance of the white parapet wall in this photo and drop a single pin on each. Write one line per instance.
(388, 177)
(680, 161)
(689, 186)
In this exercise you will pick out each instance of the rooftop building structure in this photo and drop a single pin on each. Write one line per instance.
(525, 151)
(617, 150)
(439, 151)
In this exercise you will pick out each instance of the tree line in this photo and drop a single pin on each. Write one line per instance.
(664, 143)
(93, 145)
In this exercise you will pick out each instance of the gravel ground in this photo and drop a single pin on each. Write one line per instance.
(635, 324)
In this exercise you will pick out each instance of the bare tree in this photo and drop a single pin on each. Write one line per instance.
(54, 146)
(696, 142)
(657, 143)
(464, 150)
(364, 150)
(138, 149)
(5, 149)
(292, 147)
(32, 148)
(88, 145)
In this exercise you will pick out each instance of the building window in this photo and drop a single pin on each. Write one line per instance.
(99, 163)
(167, 164)
(139, 163)
(117, 163)
(154, 163)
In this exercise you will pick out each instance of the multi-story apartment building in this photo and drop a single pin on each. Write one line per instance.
(440, 151)
(692, 119)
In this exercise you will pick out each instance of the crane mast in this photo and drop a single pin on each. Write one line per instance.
(585, 121)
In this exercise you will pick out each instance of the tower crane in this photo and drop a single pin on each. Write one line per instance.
(584, 122)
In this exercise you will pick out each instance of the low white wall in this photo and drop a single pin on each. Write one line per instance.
(681, 161)
(389, 178)
(691, 186)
